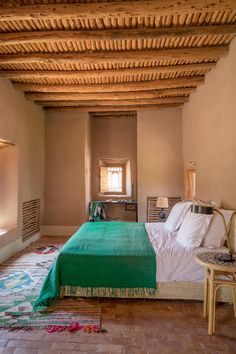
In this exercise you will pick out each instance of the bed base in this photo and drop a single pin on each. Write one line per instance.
(190, 291)
(173, 290)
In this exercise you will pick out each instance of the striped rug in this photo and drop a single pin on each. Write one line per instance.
(21, 278)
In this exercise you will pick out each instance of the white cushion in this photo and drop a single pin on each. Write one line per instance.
(177, 215)
(215, 236)
(193, 229)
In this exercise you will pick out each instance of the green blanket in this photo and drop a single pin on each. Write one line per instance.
(102, 255)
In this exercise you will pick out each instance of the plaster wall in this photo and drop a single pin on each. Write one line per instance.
(159, 151)
(22, 123)
(67, 184)
(114, 138)
(88, 161)
(209, 126)
(8, 187)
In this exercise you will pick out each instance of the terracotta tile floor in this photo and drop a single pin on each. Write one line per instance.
(147, 327)
(142, 327)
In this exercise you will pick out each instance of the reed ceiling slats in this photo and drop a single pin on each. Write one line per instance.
(83, 54)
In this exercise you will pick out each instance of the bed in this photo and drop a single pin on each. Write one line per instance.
(125, 260)
(178, 275)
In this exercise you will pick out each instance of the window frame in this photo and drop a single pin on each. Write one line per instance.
(104, 163)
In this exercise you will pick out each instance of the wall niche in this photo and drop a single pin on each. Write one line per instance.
(8, 186)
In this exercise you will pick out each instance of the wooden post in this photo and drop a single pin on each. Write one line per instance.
(211, 302)
(205, 303)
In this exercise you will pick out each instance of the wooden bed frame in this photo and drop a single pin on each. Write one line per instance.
(189, 291)
(172, 291)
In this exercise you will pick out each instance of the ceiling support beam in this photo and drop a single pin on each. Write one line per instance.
(88, 74)
(108, 35)
(109, 96)
(114, 114)
(113, 108)
(174, 100)
(201, 53)
(124, 87)
(141, 8)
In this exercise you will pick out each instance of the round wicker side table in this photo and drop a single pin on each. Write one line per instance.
(217, 274)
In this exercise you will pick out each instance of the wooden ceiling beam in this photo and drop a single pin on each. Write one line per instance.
(17, 38)
(115, 114)
(66, 96)
(125, 87)
(201, 53)
(174, 100)
(112, 108)
(141, 8)
(88, 74)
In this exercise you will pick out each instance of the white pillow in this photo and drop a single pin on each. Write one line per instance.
(193, 229)
(215, 236)
(177, 215)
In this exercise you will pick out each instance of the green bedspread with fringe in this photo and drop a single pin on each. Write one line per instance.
(115, 255)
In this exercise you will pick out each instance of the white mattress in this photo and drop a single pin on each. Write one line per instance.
(173, 261)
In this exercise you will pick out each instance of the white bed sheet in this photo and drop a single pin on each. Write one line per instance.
(173, 261)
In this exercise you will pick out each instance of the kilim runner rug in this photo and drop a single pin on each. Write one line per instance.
(21, 278)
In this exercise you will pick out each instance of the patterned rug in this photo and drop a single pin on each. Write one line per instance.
(21, 278)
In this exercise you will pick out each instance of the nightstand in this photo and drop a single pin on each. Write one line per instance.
(217, 274)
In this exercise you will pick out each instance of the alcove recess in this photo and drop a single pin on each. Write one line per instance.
(8, 186)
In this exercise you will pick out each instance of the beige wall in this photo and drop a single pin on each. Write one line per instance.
(160, 162)
(8, 187)
(22, 122)
(209, 127)
(66, 183)
(114, 138)
(88, 161)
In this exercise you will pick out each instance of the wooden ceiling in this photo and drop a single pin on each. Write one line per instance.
(112, 55)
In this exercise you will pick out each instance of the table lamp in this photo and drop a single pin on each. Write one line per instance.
(209, 209)
(162, 202)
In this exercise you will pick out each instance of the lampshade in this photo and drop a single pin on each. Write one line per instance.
(162, 202)
(202, 209)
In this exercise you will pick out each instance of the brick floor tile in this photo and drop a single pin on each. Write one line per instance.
(13, 335)
(216, 347)
(55, 337)
(25, 351)
(5, 350)
(134, 350)
(46, 351)
(2, 333)
(84, 347)
(123, 341)
(79, 336)
(109, 348)
(20, 343)
(64, 346)
(3, 342)
(94, 339)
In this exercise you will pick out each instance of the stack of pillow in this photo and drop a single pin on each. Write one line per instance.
(196, 230)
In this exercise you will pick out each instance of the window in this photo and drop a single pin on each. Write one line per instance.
(114, 176)
(115, 179)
